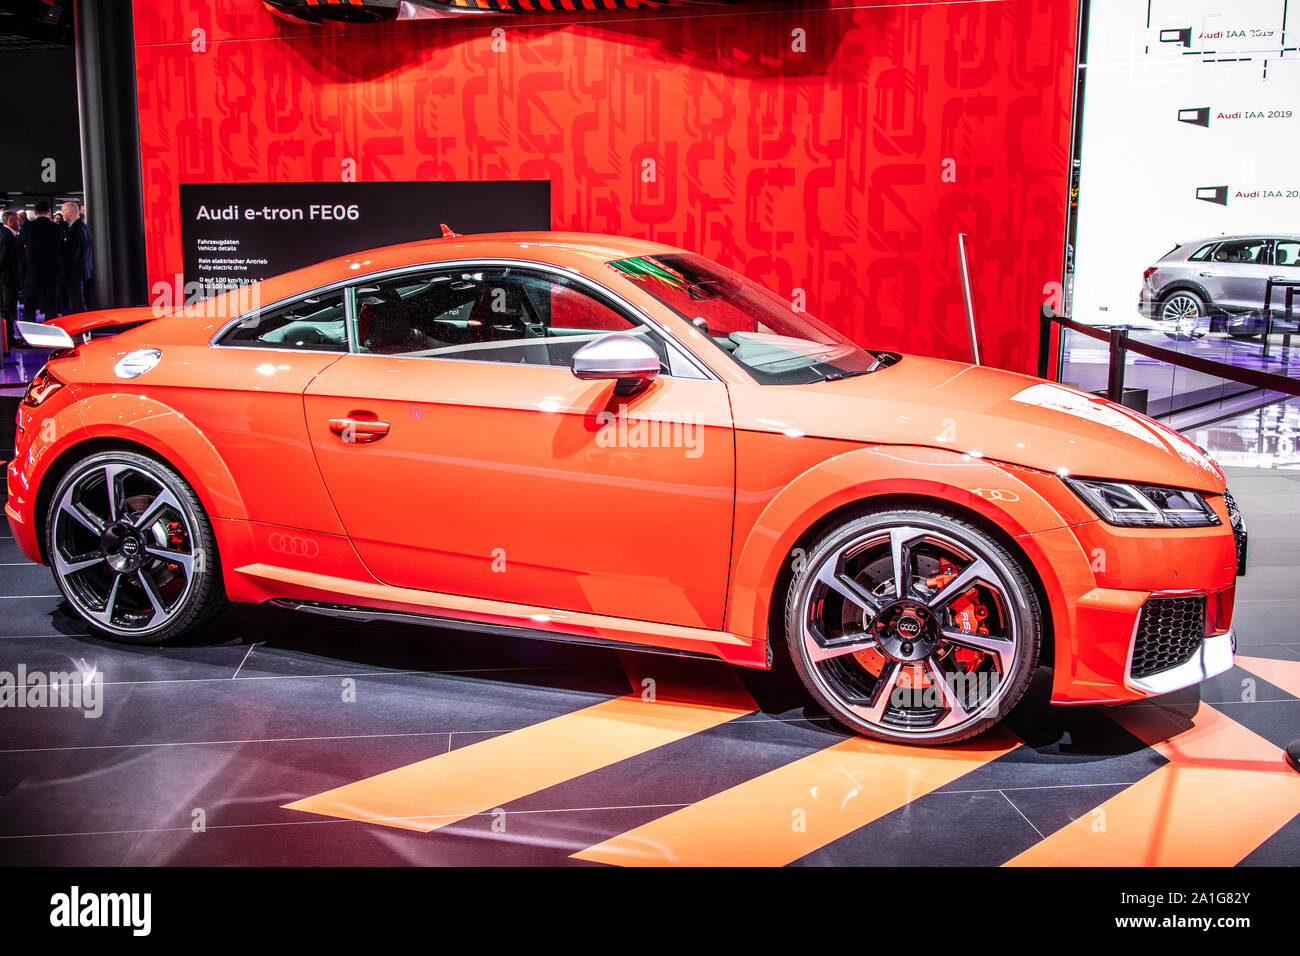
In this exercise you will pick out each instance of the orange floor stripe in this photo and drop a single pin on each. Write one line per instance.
(1283, 674)
(1224, 792)
(789, 812)
(479, 777)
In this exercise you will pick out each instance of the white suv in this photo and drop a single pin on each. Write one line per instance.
(1219, 285)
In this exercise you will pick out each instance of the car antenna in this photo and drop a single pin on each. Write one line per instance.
(447, 233)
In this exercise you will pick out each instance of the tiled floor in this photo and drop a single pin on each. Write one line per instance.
(513, 752)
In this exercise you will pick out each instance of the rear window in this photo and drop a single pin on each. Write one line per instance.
(313, 323)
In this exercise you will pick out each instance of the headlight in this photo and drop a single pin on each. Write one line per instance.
(1132, 505)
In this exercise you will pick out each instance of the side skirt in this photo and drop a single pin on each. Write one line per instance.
(364, 614)
(372, 600)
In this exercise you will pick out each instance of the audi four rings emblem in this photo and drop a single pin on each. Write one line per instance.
(996, 494)
(909, 627)
(293, 544)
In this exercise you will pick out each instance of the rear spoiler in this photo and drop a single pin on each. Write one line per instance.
(61, 333)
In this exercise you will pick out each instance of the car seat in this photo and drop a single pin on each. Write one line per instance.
(508, 322)
(390, 331)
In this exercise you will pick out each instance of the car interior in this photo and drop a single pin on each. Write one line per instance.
(494, 316)
(317, 323)
(1241, 251)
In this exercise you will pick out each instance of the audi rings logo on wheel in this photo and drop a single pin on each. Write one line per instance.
(909, 627)
(293, 544)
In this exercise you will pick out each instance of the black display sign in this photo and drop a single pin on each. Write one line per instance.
(236, 233)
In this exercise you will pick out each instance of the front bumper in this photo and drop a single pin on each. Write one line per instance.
(1100, 581)
(1214, 657)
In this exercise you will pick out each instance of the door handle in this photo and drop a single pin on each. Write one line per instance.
(358, 430)
(1207, 275)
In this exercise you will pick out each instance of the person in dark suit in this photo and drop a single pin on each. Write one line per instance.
(43, 241)
(76, 259)
(11, 273)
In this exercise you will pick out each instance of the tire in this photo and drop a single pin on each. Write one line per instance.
(138, 562)
(1187, 312)
(857, 645)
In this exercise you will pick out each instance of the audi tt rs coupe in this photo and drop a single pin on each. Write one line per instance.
(608, 440)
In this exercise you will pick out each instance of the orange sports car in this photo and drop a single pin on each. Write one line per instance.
(609, 440)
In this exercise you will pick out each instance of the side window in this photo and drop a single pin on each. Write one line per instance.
(316, 323)
(1201, 254)
(1286, 252)
(1241, 250)
(486, 315)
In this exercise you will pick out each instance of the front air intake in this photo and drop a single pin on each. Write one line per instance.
(1169, 632)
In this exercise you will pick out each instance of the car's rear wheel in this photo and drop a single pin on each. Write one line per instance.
(1186, 314)
(131, 548)
(938, 658)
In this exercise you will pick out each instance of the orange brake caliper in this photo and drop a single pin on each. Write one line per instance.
(968, 612)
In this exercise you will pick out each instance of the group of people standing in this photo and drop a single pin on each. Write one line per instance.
(43, 262)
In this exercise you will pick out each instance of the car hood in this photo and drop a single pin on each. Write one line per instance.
(986, 412)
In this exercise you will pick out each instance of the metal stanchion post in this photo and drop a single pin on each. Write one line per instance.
(1044, 340)
(1115, 376)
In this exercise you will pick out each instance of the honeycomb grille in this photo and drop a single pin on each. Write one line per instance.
(1169, 632)
(1238, 522)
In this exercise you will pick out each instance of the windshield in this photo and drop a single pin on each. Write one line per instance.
(759, 330)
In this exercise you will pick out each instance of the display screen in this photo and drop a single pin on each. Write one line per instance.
(236, 233)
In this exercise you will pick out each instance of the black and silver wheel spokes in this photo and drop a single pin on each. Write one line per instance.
(911, 630)
(123, 547)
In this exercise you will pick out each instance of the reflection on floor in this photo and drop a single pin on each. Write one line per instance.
(274, 738)
(1267, 437)
(1171, 389)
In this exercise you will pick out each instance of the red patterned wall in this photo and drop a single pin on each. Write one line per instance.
(821, 170)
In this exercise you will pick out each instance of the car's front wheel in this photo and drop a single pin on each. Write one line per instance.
(131, 548)
(913, 626)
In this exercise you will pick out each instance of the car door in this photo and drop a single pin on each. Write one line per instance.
(1286, 275)
(244, 394)
(464, 457)
(1237, 273)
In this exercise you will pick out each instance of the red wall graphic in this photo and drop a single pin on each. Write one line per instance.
(803, 144)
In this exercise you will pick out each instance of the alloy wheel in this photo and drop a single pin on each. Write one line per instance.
(914, 633)
(1184, 313)
(124, 548)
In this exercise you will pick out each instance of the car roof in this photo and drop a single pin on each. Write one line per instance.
(1242, 235)
(558, 248)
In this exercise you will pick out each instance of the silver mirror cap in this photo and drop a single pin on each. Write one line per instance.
(44, 336)
(618, 356)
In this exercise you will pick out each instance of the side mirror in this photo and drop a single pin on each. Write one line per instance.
(618, 356)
